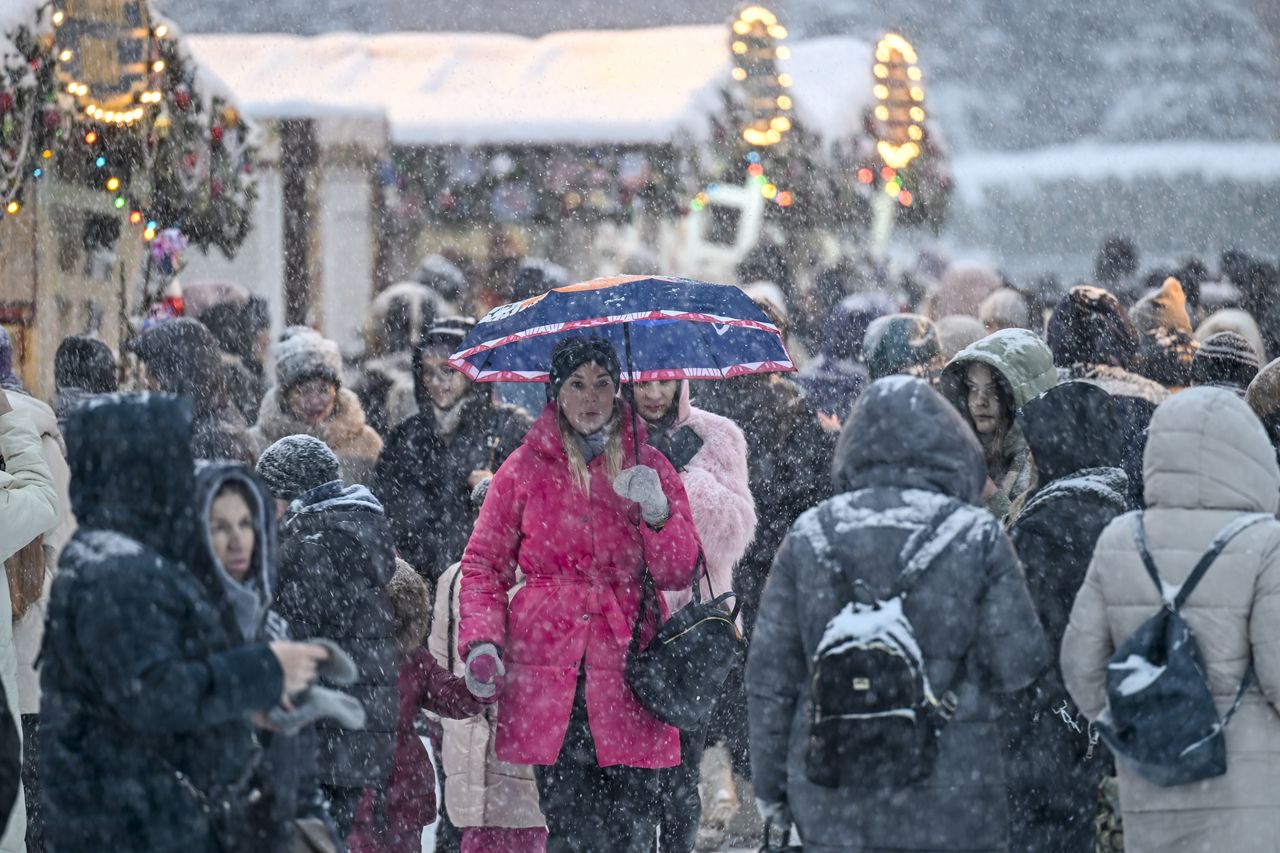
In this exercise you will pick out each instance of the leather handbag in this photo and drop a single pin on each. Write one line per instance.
(680, 674)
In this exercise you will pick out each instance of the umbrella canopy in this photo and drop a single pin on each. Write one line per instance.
(678, 329)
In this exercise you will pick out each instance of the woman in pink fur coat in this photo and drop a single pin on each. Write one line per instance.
(710, 454)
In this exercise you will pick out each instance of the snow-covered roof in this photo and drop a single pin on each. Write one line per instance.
(587, 87)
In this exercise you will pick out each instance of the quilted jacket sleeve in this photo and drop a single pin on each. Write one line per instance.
(28, 499)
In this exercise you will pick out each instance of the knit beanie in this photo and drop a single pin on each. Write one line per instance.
(1166, 308)
(1234, 320)
(297, 464)
(1225, 360)
(571, 353)
(1090, 326)
(306, 355)
(1005, 308)
(901, 343)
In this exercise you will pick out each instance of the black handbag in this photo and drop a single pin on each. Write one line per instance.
(682, 672)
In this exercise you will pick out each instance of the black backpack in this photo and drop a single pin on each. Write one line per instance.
(874, 719)
(1160, 717)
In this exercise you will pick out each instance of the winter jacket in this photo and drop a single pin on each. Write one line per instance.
(10, 765)
(28, 632)
(904, 455)
(354, 443)
(29, 507)
(422, 475)
(141, 680)
(833, 381)
(285, 773)
(583, 559)
(1207, 462)
(480, 789)
(1052, 769)
(336, 557)
(236, 327)
(182, 356)
(716, 481)
(1023, 365)
(411, 786)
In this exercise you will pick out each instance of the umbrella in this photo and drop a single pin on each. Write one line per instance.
(665, 328)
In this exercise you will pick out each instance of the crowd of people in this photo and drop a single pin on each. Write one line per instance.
(251, 581)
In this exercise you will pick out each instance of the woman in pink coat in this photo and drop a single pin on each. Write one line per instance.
(710, 454)
(581, 528)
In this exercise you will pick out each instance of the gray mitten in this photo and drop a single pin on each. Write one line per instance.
(641, 484)
(339, 669)
(318, 703)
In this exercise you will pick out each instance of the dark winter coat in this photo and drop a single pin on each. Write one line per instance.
(183, 358)
(904, 455)
(422, 474)
(788, 468)
(140, 679)
(1053, 772)
(235, 326)
(285, 774)
(336, 557)
(10, 760)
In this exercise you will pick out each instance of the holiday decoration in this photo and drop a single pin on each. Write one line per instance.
(755, 46)
(101, 94)
(900, 111)
(107, 62)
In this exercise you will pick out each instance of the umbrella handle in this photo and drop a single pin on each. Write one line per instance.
(631, 373)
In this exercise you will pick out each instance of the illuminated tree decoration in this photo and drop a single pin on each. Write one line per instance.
(107, 63)
(755, 46)
(899, 110)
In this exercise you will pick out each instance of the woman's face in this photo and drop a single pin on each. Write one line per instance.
(983, 399)
(586, 398)
(312, 400)
(232, 533)
(444, 385)
(653, 399)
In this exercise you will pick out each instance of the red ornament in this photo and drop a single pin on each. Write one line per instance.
(52, 119)
(182, 98)
(215, 133)
(6, 101)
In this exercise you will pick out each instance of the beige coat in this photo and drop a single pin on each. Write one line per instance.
(28, 508)
(1207, 462)
(354, 442)
(479, 790)
(28, 633)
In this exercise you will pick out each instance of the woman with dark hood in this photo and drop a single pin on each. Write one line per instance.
(235, 560)
(147, 696)
(433, 460)
(1054, 767)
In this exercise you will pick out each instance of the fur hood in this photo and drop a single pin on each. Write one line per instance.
(345, 432)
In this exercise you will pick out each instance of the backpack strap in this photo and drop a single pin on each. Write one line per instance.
(1176, 597)
(924, 546)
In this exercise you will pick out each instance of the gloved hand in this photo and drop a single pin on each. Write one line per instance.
(777, 823)
(318, 703)
(484, 667)
(641, 484)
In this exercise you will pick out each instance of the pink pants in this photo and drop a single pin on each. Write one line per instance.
(497, 839)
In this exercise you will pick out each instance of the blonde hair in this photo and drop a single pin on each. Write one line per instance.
(578, 462)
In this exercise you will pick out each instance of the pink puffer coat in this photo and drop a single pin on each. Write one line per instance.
(583, 559)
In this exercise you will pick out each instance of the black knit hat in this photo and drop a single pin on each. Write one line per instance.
(297, 464)
(572, 353)
(1226, 360)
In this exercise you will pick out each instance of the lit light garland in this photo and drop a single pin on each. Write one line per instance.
(107, 61)
(754, 44)
(899, 110)
(756, 177)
